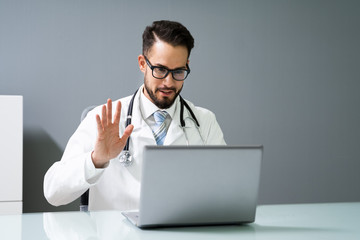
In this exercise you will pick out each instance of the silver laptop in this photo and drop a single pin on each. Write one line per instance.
(198, 185)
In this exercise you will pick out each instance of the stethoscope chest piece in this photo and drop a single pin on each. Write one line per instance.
(125, 158)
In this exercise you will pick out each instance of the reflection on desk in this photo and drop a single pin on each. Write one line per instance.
(296, 221)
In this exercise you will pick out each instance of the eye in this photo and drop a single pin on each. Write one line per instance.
(160, 70)
(179, 73)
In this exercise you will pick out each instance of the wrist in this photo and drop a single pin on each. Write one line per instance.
(98, 163)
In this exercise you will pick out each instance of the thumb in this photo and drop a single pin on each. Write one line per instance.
(127, 132)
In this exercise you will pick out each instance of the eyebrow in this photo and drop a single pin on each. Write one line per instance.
(160, 65)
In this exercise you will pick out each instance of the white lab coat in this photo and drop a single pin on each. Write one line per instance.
(116, 186)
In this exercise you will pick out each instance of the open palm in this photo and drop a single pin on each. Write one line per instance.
(109, 144)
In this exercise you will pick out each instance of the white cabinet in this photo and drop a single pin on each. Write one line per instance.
(11, 154)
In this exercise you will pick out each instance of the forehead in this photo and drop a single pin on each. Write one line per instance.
(162, 53)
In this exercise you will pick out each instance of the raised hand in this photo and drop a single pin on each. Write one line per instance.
(109, 144)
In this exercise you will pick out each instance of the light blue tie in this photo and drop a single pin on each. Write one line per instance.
(160, 127)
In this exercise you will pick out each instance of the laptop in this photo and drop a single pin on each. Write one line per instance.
(198, 185)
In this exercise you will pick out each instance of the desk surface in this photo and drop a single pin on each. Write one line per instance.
(296, 221)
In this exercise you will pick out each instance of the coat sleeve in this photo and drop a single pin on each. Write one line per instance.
(70, 177)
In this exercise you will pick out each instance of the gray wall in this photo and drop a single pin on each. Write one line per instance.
(284, 74)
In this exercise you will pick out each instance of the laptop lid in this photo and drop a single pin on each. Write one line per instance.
(199, 185)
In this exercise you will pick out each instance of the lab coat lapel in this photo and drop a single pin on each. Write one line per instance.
(141, 130)
(175, 135)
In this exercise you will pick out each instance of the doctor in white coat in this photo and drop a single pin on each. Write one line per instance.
(91, 158)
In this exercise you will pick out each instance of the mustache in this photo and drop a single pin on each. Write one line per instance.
(166, 89)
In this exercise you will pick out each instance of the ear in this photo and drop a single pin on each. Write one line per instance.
(142, 63)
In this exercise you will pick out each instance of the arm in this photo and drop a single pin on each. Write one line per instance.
(88, 151)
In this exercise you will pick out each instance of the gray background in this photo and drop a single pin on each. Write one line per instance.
(284, 74)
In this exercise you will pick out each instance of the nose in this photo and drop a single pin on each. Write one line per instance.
(169, 80)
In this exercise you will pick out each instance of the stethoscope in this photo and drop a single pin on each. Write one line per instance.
(125, 157)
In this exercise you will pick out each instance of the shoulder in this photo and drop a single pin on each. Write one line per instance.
(91, 111)
(199, 110)
(210, 130)
(203, 115)
(125, 100)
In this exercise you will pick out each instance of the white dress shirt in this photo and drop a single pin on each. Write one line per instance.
(148, 108)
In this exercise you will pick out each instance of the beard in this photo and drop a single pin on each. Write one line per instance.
(165, 102)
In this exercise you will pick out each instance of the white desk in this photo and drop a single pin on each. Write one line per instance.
(299, 221)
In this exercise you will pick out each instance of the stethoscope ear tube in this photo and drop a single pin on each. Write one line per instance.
(182, 121)
(128, 119)
(125, 156)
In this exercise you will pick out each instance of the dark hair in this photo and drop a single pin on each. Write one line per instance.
(170, 32)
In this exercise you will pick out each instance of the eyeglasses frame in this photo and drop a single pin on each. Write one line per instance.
(168, 70)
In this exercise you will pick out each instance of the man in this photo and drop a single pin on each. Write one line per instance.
(91, 158)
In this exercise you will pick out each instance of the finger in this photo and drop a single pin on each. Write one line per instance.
(127, 132)
(109, 111)
(99, 124)
(103, 115)
(117, 113)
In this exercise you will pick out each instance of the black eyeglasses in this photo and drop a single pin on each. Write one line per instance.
(179, 74)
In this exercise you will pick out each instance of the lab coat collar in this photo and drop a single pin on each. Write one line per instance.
(175, 133)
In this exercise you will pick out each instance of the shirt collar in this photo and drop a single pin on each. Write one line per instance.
(148, 108)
